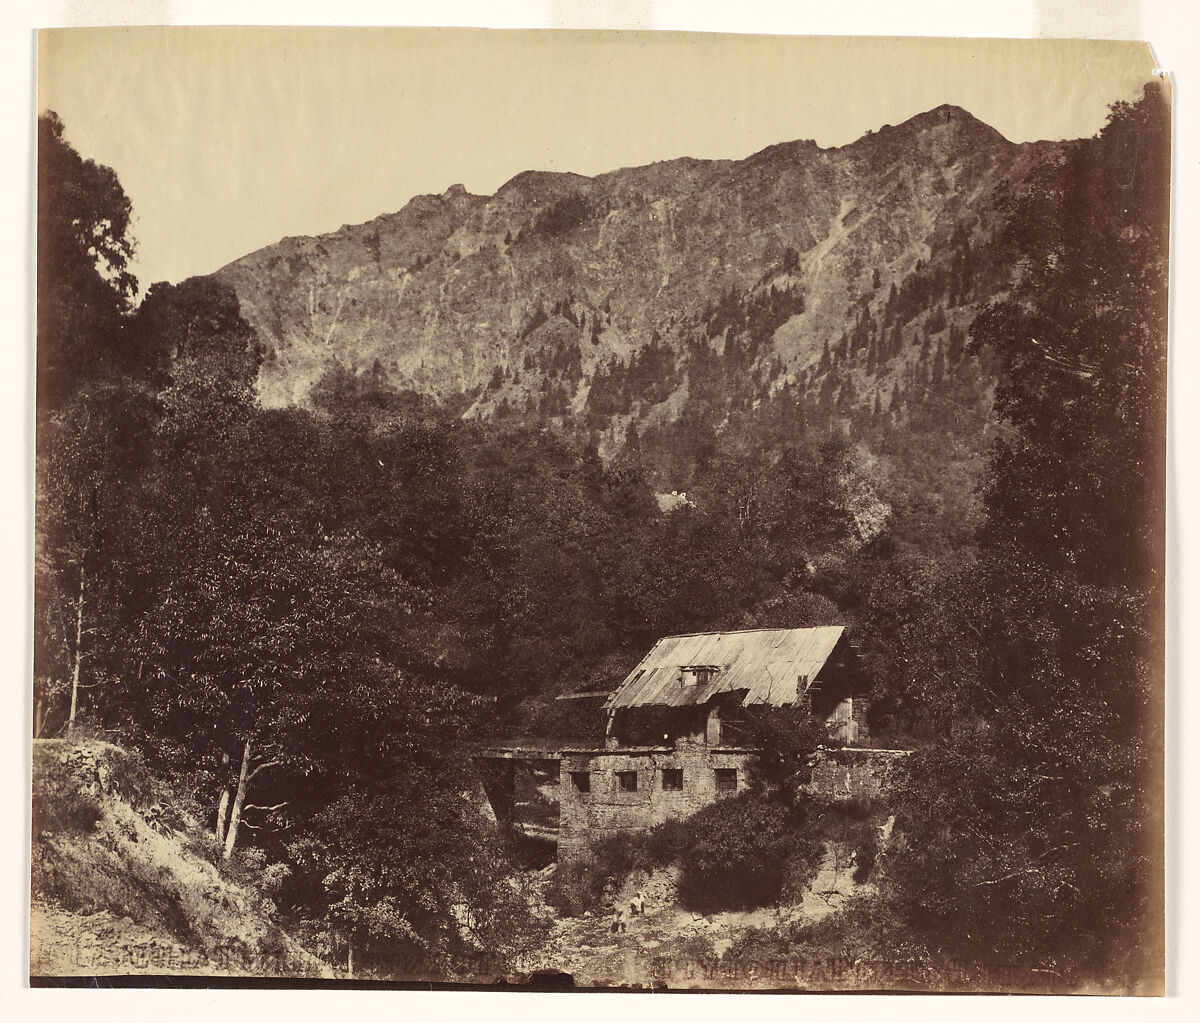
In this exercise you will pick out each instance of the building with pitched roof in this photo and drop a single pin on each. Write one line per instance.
(674, 741)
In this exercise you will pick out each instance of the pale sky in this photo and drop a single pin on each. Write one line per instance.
(228, 139)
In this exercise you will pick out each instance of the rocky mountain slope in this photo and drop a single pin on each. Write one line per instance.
(517, 302)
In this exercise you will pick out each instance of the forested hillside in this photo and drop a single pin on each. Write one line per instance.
(311, 528)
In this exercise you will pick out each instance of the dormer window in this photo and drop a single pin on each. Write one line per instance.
(697, 674)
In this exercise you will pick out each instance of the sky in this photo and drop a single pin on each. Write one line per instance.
(228, 139)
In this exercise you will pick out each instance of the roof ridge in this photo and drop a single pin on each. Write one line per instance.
(739, 632)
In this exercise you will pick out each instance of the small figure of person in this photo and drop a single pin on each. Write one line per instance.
(618, 922)
(637, 905)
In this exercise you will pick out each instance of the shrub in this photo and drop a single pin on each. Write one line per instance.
(867, 850)
(71, 811)
(129, 778)
(738, 853)
(786, 738)
(859, 947)
(852, 828)
(618, 854)
(274, 877)
(741, 849)
(61, 803)
(667, 842)
(562, 216)
(163, 818)
(252, 859)
(205, 845)
(582, 884)
(245, 867)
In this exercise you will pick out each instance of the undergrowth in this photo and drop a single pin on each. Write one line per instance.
(755, 849)
(60, 804)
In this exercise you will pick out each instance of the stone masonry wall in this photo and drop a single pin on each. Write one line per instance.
(586, 817)
(852, 773)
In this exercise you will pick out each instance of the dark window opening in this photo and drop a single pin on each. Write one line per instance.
(627, 780)
(672, 779)
(581, 781)
(726, 779)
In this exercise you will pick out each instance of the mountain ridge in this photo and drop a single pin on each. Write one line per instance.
(453, 289)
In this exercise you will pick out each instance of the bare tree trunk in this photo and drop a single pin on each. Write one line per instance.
(350, 960)
(223, 805)
(39, 718)
(235, 815)
(78, 653)
(222, 814)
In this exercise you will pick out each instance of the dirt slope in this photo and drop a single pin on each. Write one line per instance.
(121, 884)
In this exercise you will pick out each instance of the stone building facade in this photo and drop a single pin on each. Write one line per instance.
(605, 791)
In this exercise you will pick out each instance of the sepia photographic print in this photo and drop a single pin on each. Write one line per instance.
(596, 510)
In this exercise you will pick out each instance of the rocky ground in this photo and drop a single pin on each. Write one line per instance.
(669, 946)
(65, 944)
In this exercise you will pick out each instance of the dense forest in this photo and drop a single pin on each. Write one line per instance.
(306, 617)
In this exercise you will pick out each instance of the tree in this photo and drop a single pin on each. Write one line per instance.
(401, 864)
(1074, 488)
(84, 283)
(1030, 828)
(1024, 829)
(87, 533)
(87, 420)
(938, 371)
(786, 739)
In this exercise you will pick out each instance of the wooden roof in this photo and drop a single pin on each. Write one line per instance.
(766, 663)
